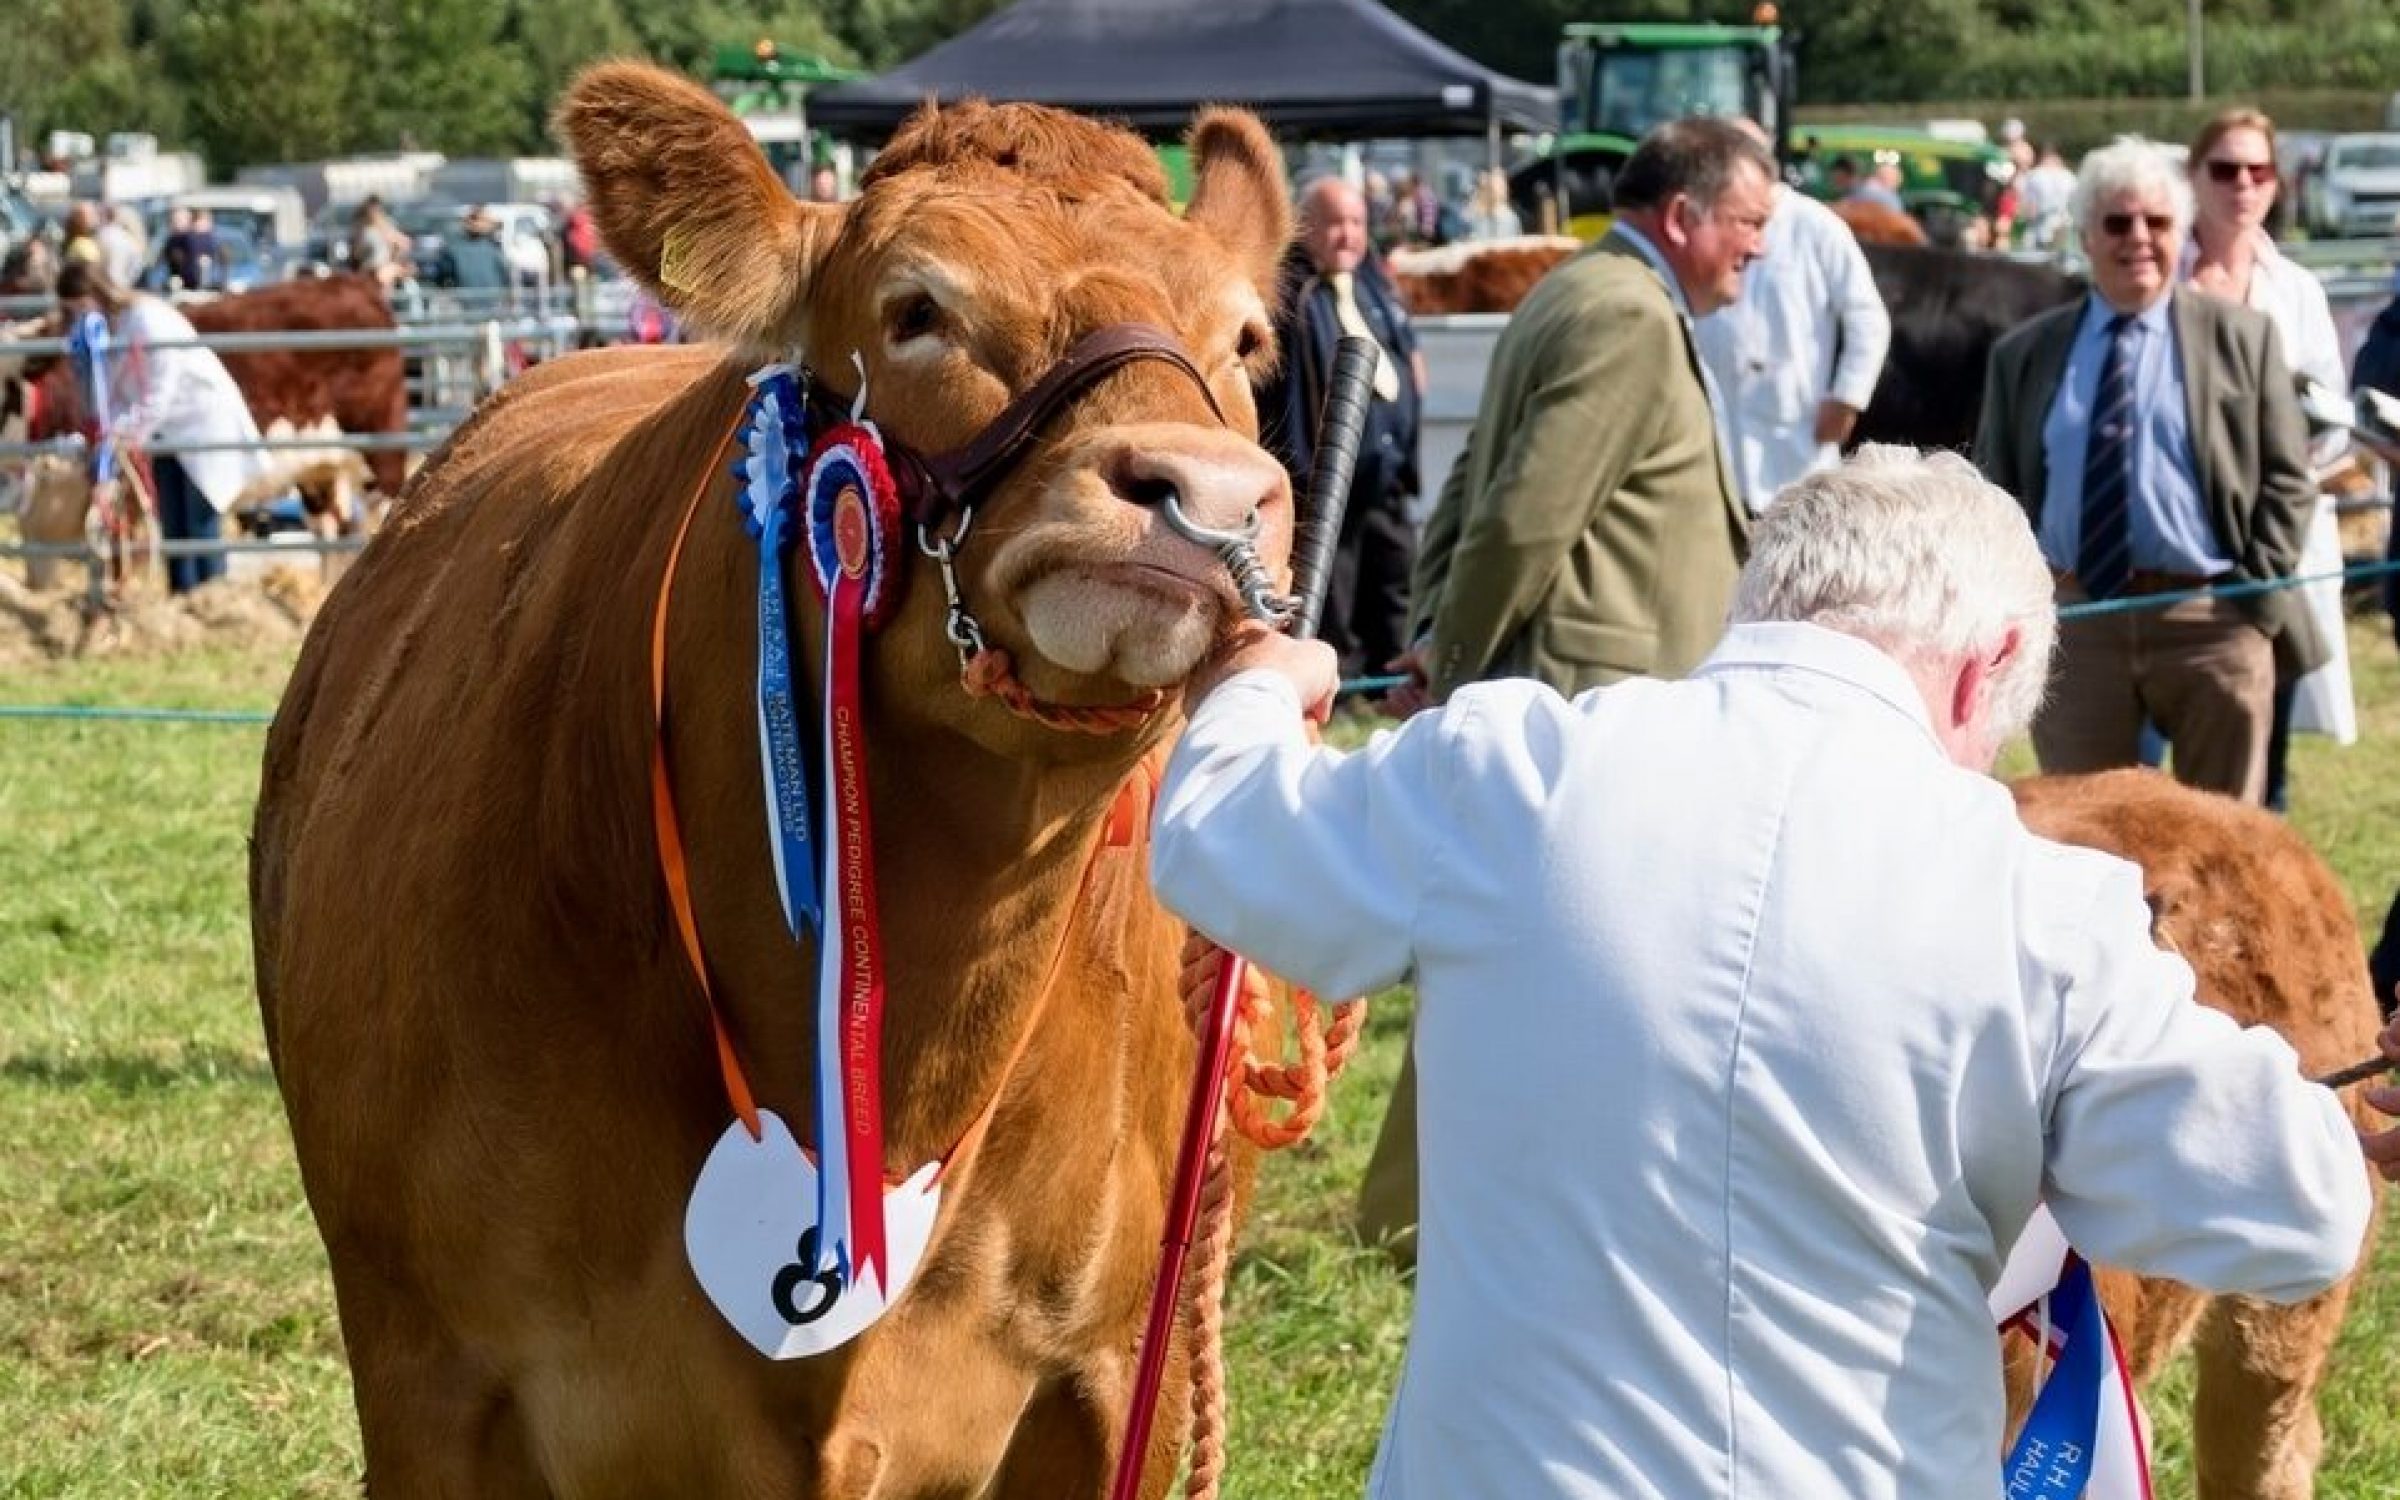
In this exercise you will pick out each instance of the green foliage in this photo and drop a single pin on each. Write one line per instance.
(2077, 125)
(255, 80)
(441, 80)
(267, 80)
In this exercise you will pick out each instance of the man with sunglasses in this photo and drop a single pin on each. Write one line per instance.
(2153, 436)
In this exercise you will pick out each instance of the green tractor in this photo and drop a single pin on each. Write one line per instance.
(1618, 81)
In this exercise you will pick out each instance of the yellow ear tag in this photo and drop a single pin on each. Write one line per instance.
(674, 260)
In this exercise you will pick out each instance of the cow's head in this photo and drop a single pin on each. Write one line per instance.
(986, 242)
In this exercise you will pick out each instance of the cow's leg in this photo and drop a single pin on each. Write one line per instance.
(2255, 1434)
(348, 515)
(437, 1423)
(1066, 1443)
(2153, 1320)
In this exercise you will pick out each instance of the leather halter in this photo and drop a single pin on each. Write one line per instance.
(932, 489)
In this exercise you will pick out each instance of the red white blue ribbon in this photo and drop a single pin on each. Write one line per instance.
(2083, 1438)
(853, 516)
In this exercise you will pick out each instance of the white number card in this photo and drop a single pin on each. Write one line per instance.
(751, 1234)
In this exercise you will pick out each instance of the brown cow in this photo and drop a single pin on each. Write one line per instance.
(1874, 223)
(2269, 933)
(1477, 275)
(497, 1064)
(362, 391)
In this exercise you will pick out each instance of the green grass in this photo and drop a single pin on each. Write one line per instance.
(166, 1327)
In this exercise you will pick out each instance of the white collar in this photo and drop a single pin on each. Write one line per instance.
(1845, 658)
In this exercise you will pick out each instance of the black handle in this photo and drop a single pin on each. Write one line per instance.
(1339, 427)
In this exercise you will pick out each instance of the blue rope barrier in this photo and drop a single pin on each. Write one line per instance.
(2133, 602)
(1351, 687)
(154, 715)
(1354, 686)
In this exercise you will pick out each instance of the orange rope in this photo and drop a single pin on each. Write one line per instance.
(1252, 1083)
(991, 674)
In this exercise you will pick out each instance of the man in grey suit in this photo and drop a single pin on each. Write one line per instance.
(2153, 437)
(1591, 530)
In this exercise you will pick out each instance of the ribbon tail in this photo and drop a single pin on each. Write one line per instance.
(833, 1166)
(861, 966)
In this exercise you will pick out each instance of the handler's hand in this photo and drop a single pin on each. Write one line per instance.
(1835, 420)
(2383, 1148)
(1416, 694)
(1310, 666)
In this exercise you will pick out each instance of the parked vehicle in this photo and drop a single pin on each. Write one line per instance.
(1618, 80)
(240, 264)
(524, 236)
(2355, 191)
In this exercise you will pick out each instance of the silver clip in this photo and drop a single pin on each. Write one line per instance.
(957, 623)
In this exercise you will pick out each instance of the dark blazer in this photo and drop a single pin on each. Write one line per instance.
(2249, 441)
(1308, 329)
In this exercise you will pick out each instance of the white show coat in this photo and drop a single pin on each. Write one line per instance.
(168, 396)
(1808, 326)
(1750, 1029)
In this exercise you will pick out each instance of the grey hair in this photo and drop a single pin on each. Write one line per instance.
(2129, 164)
(1917, 553)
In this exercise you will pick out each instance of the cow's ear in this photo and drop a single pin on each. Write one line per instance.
(1240, 197)
(689, 207)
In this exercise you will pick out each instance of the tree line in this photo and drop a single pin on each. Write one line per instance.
(246, 81)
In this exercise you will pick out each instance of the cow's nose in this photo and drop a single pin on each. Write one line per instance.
(1218, 480)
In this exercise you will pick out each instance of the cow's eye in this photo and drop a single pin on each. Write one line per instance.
(914, 316)
(1253, 340)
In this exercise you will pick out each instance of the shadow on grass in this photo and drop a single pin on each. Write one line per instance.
(140, 1073)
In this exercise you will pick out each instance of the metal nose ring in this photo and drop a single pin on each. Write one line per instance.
(1234, 550)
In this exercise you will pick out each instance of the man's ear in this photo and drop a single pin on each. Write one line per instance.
(1983, 666)
(1675, 220)
(689, 207)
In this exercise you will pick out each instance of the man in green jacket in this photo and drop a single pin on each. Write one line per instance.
(1590, 531)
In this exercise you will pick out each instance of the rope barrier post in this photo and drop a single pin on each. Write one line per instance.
(1342, 423)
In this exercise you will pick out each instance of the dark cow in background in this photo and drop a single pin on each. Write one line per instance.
(1948, 308)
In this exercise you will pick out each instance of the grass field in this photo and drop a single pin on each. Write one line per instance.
(166, 1327)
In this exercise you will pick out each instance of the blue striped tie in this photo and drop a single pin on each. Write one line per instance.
(2104, 558)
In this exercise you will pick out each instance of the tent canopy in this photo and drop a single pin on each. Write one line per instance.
(1313, 68)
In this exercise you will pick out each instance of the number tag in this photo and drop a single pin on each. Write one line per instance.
(751, 1234)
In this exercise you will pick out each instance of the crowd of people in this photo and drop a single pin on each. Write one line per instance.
(1743, 1073)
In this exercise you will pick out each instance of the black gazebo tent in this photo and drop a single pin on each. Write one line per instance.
(1327, 69)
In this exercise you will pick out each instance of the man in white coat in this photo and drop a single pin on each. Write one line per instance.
(163, 394)
(1795, 358)
(1752, 1023)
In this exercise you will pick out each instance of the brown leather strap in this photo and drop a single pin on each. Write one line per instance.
(932, 488)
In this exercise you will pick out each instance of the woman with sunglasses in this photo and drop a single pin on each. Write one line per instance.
(2232, 255)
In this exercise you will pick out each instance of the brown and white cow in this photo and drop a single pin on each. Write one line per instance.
(292, 393)
(2268, 931)
(497, 1065)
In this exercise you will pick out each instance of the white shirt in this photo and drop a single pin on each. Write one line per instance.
(168, 396)
(1750, 1029)
(2292, 296)
(1808, 326)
